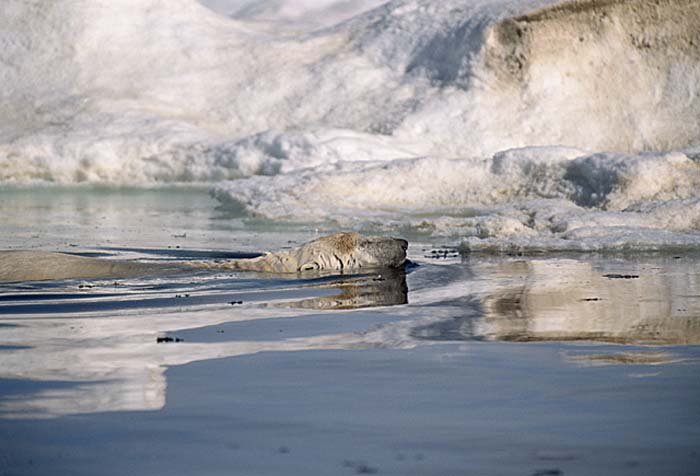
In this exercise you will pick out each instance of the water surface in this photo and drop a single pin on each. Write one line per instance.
(559, 364)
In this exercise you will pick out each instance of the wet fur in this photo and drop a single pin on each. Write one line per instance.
(339, 252)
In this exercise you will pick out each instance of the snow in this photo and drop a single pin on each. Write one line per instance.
(531, 198)
(483, 114)
(291, 16)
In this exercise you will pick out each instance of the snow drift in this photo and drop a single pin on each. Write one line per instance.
(155, 90)
(402, 106)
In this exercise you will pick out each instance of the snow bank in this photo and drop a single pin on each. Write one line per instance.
(291, 16)
(604, 181)
(397, 107)
(532, 198)
(132, 91)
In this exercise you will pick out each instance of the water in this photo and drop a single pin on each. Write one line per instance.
(523, 365)
(104, 217)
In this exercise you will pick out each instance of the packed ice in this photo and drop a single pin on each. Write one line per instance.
(502, 124)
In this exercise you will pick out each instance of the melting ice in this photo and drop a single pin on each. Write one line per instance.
(524, 123)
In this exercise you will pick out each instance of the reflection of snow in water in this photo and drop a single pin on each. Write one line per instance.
(655, 301)
(571, 300)
(114, 363)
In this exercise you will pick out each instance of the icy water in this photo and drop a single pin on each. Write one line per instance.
(486, 365)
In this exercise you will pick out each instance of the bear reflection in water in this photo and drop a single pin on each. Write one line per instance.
(387, 288)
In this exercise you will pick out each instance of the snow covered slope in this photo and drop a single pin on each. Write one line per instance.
(427, 94)
(291, 16)
(162, 90)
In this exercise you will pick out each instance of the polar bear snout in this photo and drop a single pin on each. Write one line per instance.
(383, 251)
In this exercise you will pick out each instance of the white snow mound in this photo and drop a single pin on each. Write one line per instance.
(485, 114)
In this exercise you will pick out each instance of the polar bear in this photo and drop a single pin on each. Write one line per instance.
(341, 252)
